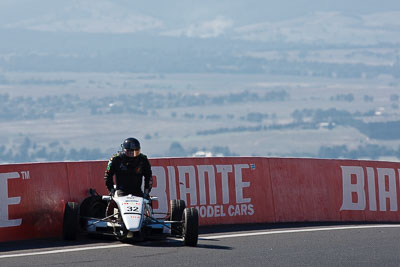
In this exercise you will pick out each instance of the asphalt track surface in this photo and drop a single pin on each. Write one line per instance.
(243, 245)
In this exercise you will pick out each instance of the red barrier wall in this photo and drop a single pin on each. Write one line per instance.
(224, 190)
(32, 200)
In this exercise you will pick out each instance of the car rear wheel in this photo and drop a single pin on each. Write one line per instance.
(190, 227)
(177, 207)
(71, 221)
(92, 207)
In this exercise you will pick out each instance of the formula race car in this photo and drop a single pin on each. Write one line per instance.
(129, 218)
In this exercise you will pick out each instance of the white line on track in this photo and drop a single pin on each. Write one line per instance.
(300, 231)
(209, 237)
(62, 251)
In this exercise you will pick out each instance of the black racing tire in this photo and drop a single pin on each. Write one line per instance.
(94, 207)
(190, 229)
(177, 206)
(71, 221)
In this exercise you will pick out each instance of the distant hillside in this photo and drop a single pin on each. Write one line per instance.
(123, 36)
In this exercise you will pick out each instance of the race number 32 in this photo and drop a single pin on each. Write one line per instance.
(132, 209)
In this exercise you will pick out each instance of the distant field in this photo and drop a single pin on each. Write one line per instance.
(158, 128)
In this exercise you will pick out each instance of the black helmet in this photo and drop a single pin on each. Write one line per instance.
(131, 144)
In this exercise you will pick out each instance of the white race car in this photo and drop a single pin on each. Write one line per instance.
(129, 218)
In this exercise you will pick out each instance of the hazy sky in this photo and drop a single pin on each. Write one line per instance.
(188, 11)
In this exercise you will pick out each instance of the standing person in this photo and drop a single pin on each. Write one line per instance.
(129, 167)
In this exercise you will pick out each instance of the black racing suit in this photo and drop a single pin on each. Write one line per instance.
(129, 172)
